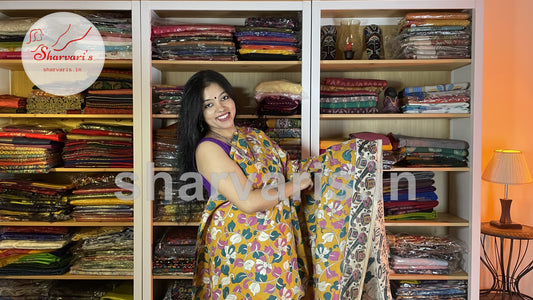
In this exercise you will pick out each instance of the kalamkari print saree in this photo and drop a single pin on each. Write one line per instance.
(329, 243)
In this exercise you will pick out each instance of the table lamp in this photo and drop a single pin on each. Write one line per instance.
(507, 167)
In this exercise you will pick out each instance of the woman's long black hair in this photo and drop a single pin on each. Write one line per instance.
(191, 124)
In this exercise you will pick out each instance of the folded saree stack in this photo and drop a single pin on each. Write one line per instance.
(269, 38)
(433, 35)
(34, 250)
(104, 251)
(424, 254)
(171, 207)
(179, 289)
(24, 288)
(193, 42)
(430, 152)
(165, 149)
(12, 33)
(166, 99)
(34, 200)
(111, 93)
(175, 252)
(41, 102)
(94, 199)
(79, 289)
(287, 134)
(278, 97)
(409, 196)
(115, 29)
(430, 289)
(99, 145)
(350, 96)
(30, 148)
(442, 98)
(11, 104)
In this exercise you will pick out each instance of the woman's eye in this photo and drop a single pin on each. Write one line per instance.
(225, 97)
(208, 105)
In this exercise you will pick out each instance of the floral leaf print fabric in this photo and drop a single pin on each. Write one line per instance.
(327, 245)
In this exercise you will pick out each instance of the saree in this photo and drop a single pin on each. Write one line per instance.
(327, 244)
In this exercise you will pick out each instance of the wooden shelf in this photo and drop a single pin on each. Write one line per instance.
(156, 223)
(434, 169)
(69, 223)
(68, 170)
(176, 276)
(442, 220)
(241, 116)
(227, 66)
(16, 64)
(461, 275)
(392, 116)
(393, 65)
(63, 116)
(68, 276)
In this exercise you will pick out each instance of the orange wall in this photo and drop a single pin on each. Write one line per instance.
(508, 104)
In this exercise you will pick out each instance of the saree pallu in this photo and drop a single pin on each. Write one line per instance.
(330, 246)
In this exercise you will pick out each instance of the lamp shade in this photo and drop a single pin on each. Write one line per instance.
(507, 167)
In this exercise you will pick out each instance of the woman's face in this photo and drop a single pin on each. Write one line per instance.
(218, 108)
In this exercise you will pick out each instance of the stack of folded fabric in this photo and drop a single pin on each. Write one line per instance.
(41, 102)
(430, 152)
(30, 149)
(79, 289)
(94, 199)
(119, 101)
(287, 134)
(34, 250)
(99, 145)
(430, 289)
(104, 251)
(269, 38)
(113, 79)
(10, 104)
(424, 254)
(350, 96)
(24, 288)
(409, 196)
(165, 147)
(115, 29)
(431, 35)
(442, 98)
(179, 289)
(170, 207)
(175, 252)
(111, 93)
(12, 33)
(193, 42)
(278, 97)
(166, 99)
(34, 200)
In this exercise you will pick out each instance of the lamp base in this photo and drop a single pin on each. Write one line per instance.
(505, 225)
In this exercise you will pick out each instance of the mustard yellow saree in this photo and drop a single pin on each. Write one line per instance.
(330, 244)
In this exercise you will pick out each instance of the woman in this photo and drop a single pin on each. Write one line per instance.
(257, 239)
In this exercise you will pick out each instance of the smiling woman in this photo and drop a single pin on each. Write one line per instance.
(262, 237)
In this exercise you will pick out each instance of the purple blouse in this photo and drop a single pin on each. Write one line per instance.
(222, 145)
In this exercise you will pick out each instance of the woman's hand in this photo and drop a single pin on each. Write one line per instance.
(305, 181)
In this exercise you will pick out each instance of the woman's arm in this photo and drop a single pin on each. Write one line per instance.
(228, 179)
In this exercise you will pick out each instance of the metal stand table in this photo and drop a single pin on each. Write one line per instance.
(506, 269)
